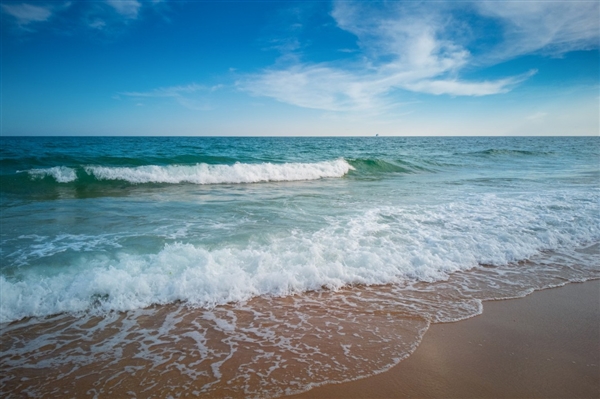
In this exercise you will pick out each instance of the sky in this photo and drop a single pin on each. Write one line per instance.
(310, 68)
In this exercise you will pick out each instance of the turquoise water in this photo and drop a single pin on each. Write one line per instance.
(130, 222)
(260, 267)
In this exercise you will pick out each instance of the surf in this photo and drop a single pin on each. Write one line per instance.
(201, 173)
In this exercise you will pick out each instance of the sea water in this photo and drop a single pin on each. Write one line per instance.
(265, 266)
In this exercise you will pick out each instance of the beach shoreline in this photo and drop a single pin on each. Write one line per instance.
(543, 345)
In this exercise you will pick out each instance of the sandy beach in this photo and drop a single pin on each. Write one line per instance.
(264, 267)
(546, 345)
(266, 199)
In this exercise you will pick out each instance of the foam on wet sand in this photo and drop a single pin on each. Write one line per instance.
(545, 345)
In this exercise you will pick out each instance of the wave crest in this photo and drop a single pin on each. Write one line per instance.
(203, 173)
(61, 174)
(509, 152)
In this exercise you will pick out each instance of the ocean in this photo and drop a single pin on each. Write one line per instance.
(260, 267)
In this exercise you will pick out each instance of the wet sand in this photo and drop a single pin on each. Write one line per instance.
(546, 345)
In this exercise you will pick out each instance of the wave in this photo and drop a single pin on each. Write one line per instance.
(502, 151)
(382, 245)
(61, 174)
(205, 173)
(200, 173)
(380, 166)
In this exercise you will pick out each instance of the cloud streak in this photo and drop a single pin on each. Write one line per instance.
(192, 96)
(99, 15)
(27, 13)
(127, 8)
(414, 47)
(475, 89)
(551, 27)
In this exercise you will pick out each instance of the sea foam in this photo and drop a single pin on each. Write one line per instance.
(380, 246)
(215, 174)
(202, 173)
(61, 174)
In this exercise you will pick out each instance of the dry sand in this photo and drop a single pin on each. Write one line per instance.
(546, 345)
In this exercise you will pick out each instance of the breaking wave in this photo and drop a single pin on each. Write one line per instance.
(201, 173)
(383, 245)
(61, 174)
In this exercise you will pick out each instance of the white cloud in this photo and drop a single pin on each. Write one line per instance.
(113, 13)
(537, 116)
(127, 8)
(420, 47)
(458, 88)
(551, 27)
(314, 86)
(192, 96)
(27, 13)
(404, 46)
(97, 24)
(173, 91)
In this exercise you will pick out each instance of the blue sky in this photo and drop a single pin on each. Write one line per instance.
(133, 67)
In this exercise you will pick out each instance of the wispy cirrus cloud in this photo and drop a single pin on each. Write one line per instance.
(109, 16)
(27, 13)
(127, 8)
(113, 16)
(547, 27)
(412, 46)
(192, 96)
(173, 91)
(462, 88)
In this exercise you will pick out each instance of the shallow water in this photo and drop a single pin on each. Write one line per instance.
(260, 267)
